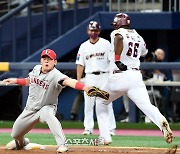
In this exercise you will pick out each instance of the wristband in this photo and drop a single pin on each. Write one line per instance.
(21, 81)
(79, 86)
(117, 57)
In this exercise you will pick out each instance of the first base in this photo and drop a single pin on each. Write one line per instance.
(33, 146)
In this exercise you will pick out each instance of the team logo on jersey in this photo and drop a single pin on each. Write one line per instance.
(99, 55)
(39, 82)
(78, 56)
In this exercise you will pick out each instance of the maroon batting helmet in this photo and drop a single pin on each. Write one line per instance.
(121, 19)
(94, 25)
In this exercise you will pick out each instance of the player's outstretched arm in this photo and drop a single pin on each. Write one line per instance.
(73, 83)
(90, 91)
(19, 81)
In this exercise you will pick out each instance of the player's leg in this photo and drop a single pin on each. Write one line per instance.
(102, 120)
(88, 114)
(140, 97)
(102, 113)
(112, 121)
(89, 102)
(125, 116)
(23, 124)
(47, 115)
(126, 103)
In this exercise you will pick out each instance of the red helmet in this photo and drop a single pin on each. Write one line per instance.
(94, 25)
(121, 19)
(50, 53)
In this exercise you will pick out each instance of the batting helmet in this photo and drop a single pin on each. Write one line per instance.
(121, 19)
(94, 25)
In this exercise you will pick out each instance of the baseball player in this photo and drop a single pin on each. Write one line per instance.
(93, 59)
(126, 78)
(45, 83)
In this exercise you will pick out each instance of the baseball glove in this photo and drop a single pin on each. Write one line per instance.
(98, 92)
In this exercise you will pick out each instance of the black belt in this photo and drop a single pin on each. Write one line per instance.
(97, 73)
(119, 71)
(136, 69)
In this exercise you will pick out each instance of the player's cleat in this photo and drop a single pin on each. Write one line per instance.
(124, 117)
(62, 149)
(101, 141)
(166, 131)
(125, 120)
(87, 132)
(147, 120)
(73, 117)
(12, 144)
(112, 132)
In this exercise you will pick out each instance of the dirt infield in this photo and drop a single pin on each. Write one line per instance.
(95, 150)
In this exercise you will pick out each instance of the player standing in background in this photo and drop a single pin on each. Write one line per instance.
(45, 83)
(93, 58)
(126, 78)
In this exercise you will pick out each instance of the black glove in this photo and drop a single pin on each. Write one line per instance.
(121, 66)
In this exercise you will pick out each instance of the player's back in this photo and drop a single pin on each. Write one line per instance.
(133, 47)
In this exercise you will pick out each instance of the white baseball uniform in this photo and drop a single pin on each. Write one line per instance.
(128, 82)
(41, 105)
(95, 59)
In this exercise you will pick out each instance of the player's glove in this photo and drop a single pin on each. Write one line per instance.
(121, 66)
(98, 92)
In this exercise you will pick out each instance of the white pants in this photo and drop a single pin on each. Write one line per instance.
(128, 82)
(90, 102)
